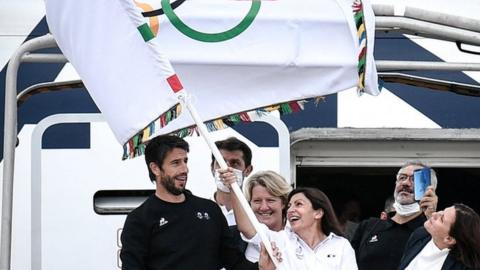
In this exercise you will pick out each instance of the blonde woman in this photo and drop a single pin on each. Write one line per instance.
(267, 192)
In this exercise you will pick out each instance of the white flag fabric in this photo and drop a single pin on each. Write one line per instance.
(230, 55)
(108, 43)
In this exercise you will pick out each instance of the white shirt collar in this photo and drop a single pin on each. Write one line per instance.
(293, 235)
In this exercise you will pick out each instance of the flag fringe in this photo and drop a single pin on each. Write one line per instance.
(359, 18)
(136, 145)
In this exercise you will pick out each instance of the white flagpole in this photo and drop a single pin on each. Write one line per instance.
(185, 100)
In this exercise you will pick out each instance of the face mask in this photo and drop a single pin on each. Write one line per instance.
(406, 209)
(221, 186)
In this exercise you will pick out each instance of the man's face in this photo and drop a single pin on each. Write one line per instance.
(404, 189)
(173, 172)
(235, 160)
(439, 224)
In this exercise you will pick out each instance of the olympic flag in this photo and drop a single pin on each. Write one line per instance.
(232, 56)
(280, 51)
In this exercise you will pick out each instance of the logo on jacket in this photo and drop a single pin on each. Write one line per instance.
(299, 252)
(162, 222)
(373, 239)
(204, 215)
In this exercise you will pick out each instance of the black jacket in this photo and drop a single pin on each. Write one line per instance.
(415, 244)
(193, 234)
(379, 244)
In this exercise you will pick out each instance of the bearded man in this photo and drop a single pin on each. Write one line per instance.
(379, 244)
(174, 229)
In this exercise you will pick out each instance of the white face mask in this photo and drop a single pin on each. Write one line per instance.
(406, 209)
(221, 186)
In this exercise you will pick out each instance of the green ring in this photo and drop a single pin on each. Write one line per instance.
(211, 37)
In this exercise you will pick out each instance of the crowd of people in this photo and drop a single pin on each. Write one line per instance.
(174, 229)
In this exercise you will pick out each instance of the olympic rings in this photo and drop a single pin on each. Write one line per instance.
(211, 37)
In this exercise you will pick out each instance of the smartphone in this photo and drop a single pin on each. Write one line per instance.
(421, 179)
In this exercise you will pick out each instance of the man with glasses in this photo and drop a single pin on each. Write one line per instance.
(378, 243)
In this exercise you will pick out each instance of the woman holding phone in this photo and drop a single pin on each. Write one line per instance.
(312, 241)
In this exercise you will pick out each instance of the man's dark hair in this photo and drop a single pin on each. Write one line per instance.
(234, 144)
(388, 206)
(159, 147)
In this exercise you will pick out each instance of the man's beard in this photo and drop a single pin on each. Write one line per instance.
(405, 207)
(169, 184)
(402, 199)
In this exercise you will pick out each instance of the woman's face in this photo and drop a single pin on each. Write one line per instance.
(267, 208)
(439, 225)
(301, 214)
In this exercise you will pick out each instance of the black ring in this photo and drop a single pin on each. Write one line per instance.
(158, 12)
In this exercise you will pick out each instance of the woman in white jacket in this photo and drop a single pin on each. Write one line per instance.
(313, 239)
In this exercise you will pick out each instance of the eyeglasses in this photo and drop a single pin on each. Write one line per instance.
(402, 177)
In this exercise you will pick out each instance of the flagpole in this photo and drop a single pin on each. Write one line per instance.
(202, 129)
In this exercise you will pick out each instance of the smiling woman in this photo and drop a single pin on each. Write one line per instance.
(267, 192)
(312, 240)
(312, 207)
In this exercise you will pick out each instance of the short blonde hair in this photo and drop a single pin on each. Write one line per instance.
(273, 182)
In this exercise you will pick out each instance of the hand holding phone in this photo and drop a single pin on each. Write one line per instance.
(421, 179)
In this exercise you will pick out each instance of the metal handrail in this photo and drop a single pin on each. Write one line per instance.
(9, 141)
(427, 29)
(23, 96)
(440, 85)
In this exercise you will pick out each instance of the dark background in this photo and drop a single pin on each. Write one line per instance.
(371, 186)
